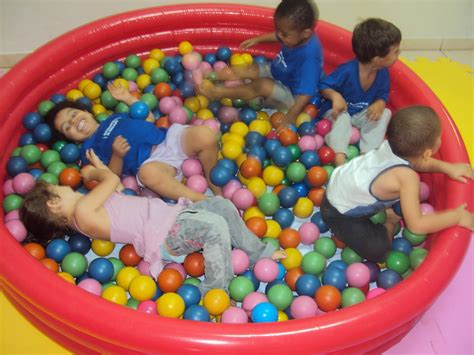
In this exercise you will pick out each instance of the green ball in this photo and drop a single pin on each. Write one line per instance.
(398, 261)
(188, 112)
(31, 153)
(130, 74)
(352, 152)
(379, 218)
(329, 169)
(280, 296)
(16, 152)
(255, 104)
(108, 100)
(325, 246)
(212, 76)
(272, 241)
(238, 103)
(56, 168)
(313, 263)
(151, 101)
(133, 303)
(296, 172)
(192, 281)
(74, 263)
(122, 107)
(417, 256)
(407, 273)
(49, 178)
(58, 145)
(295, 151)
(49, 157)
(12, 202)
(101, 117)
(117, 264)
(349, 256)
(159, 75)
(107, 285)
(240, 287)
(413, 238)
(269, 203)
(44, 107)
(285, 182)
(110, 70)
(133, 61)
(352, 296)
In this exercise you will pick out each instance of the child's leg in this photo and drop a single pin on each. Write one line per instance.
(372, 133)
(258, 87)
(237, 72)
(339, 136)
(200, 141)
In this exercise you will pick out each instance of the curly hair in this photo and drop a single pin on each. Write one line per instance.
(50, 117)
(303, 14)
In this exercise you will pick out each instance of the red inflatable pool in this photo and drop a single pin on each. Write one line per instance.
(87, 324)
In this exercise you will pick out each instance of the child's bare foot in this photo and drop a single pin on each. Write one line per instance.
(279, 254)
(208, 89)
(339, 159)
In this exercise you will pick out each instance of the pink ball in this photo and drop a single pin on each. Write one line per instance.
(228, 114)
(212, 124)
(307, 143)
(148, 193)
(132, 86)
(374, 293)
(147, 306)
(197, 121)
(229, 188)
(178, 100)
(234, 315)
(8, 187)
(178, 115)
(355, 135)
(243, 199)
(219, 65)
(197, 183)
(266, 270)
(303, 307)
(205, 67)
(12, 215)
(130, 182)
(23, 183)
(167, 104)
(358, 274)
(191, 61)
(309, 233)
(240, 261)
(197, 76)
(91, 285)
(251, 300)
(323, 127)
(17, 229)
(426, 208)
(319, 141)
(177, 267)
(144, 267)
(191, 166)
(424, 191)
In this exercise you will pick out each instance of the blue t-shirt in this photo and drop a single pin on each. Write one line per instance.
(300, 68)
(141, 136)
(345, 80)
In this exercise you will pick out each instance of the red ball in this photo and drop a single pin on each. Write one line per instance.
(70, 177)
(162, 90)
(311, 110)
(129, 256)
(316, 195)
(257, 226)
(326, 155)
(194, 264)
(250, 167)
(169, 280)
(339, 244)
(317, 176)
(328, 298)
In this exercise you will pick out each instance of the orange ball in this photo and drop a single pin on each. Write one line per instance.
(36, 250)
(292, 276)
(169, 280)
(275, 119)
(136, 95)
(162, 90)
(129, 256)
(257, 226)
(194, 264)
(311, 110)
(338, 243)
(163, 122)
(316, 195)
(251, 167)
(317, 176)
(289, 238)
(50, 264)
(328, 298)
(288, 137)
(70, 177)
(278, 188)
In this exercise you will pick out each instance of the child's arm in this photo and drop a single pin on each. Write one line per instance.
(118, 92)
(267, 37)
(120, 148)
(457, 171)
(375, 110)
(339, 104)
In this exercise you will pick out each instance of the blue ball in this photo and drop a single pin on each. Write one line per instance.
(79, 243)
(340, 264)
(210, 58)
(301, 188)
(84, 101)
(57, 249)
(139, 110)
(388, 278)
(270, 146)
(157, 294)
(214, 106)
(307, 285)
(157, 113)
(82, 277)
(26, 138)
(70, 153)
(58, 98)
(264, 312)
(16, 165)
(318, 220)
(220, 176)
(257, 151)
(197, 313)
(121, 66)
(288, 197)
(397, 208)
(223, 53)
(254, 139)
(178, 78)
(402, 244)
(172, 66)
(251, 276)
(149, 90)
(129, 192)
(225, 127)
(100, 80)
(284, 217)
(309, 159)
(190, 294)
(36, 173)
(187, 89)
(140, 70)
(260, 59)
(247, 115)
(42, 133)
(31, 120)
(306, 129)
(228, 165)
(336, 277)
(282, 156)
(281, 271)
(101, 270)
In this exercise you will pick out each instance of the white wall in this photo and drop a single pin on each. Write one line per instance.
(425, 24)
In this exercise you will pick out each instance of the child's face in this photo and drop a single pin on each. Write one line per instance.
(74, 124)
(288, 35)
(391, 57)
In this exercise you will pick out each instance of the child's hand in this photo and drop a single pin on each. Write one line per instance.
(339, 105)
(95, 160)
(248, 43)
(120, 93)
(120, 146)
(460, 172)
(467, 218)
(86, 171)
(374, 111)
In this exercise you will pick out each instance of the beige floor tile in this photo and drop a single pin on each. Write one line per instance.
(431, 55)
(464, 57)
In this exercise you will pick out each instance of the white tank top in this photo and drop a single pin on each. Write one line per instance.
(349, 189)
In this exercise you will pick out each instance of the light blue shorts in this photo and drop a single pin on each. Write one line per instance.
(281, 96)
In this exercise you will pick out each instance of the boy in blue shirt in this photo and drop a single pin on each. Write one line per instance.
(292, 78)
(358, 90)
(136, 147)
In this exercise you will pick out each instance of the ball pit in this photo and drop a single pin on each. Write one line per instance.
(80, 54)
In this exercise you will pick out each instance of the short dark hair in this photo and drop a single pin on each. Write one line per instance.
(38, 220)
(412, 130)
(373, 38)
(50, 117)
(303, 14)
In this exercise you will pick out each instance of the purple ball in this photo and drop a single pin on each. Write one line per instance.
(12, 215)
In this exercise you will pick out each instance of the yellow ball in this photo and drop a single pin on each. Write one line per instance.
(92, 91)
(157, 54)
(226, 101)
(67, 276)
(293, 258)
(247, 57)
(150, 64)
(121, 82)
(231, 150)
(83, 83)
(74, 94)
(301, 118)
(303, 208)
(232, 137)
(268, 127)
(253, 211)
(273, 228)
(236, 59)
(259, 127)
(98, 108)
(239, 128)
(242, 180)
(142, 288)
(240, 159)
(143, 81)
(203, 100)
(282, 316)
(170, 305)
(263, 116)
(125, 276)
(102, 247)
(205, 114)
(192, 103)
(185, 47)
(216, 301)
(256, 186)
(115, 294)
(273, 175)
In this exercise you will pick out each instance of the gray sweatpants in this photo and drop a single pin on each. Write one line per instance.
(372, 133)
(215, 226)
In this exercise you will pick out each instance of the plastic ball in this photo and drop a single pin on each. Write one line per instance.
(323, 127)
(303, 307)
(243, 199)
(336, 277)
(328, 298)
(358, 275)
(194, 264)
(388, 278)
(284, 217)
(257, 225)
(91, 286)
(169, 280)
(252, 300)
(74, 263)
(317, 176)
(313, 263)
(293, 259)
(101, 270)
(70, 177)
(197, 313)
(398, 261)
(16, 165)
(220, 175)
(129, 256)
(191, 60)
(35, 250)
(216, 301)
(266, 270)
(309, 233)
(303, 208)
(197, 183)
(223, 53)
(234, 315)
(402, 244)
(142, 288)
(57, 249)
(413, 238)
(280, 295)
(240, 287)
(264, 312)
(251, 167)
(288, 136)
(170, 305)
(417, 256)
(17, 229)
(115, 294)
(269, 203)
(23, 183)
(318, 220)
(125, 276)
(307, 285)
(229, 188)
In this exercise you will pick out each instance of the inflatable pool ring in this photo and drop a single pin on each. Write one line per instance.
(83, 322)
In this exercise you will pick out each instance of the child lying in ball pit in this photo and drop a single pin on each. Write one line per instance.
(136, 147)
(153, 227)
